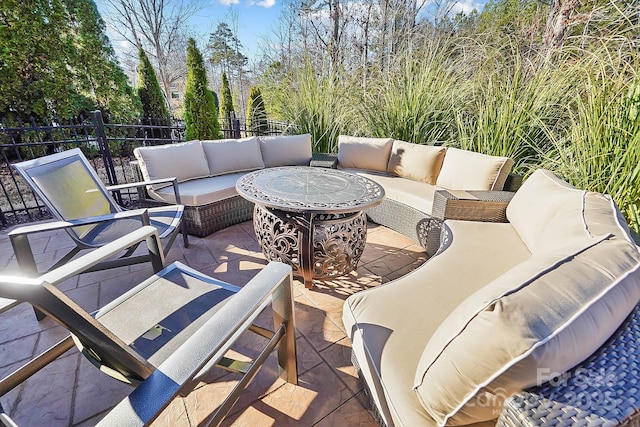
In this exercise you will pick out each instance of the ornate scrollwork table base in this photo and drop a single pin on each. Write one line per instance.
(317, 246)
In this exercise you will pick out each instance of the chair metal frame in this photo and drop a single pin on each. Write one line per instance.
(20, 236)
(178, 373)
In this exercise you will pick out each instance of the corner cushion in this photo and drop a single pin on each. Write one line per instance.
(544, 315)
(233, 155)
(290, 150)
(364, 153)
(416, 161)
(468, 170)
(547, 212)
(184, 161)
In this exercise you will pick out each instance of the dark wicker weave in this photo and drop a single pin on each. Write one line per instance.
(204, 220)
(604, 390)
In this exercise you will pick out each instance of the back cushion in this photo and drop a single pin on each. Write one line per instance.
(416, 161)
(468, 170)
(547, 213)
(233, 155)
(184, 161)
(544, 315)
(290, 150)
(364, 153)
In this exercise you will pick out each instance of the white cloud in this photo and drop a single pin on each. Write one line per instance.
(263, 3)
(465, 6)
(229, 2)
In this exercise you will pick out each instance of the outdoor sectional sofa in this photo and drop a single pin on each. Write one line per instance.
(411, 175)
(504, 306)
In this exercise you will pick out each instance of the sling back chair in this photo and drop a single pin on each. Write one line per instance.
(162, 334)
(74, 194)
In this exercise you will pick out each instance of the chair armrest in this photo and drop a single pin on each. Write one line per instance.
(486, 206)
(600, 391)
(324, 160)
(173, 181)
(20, 236)
(85, 262)
(209, 344)
(141, 183)
(60, 225)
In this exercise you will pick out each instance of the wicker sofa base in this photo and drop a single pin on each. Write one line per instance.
(204, 220)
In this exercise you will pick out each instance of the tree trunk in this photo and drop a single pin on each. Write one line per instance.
(558, 23)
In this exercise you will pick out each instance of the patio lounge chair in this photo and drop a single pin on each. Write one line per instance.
(75, 195)
(163, 333)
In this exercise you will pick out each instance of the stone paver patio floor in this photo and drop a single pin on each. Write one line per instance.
(71, 392)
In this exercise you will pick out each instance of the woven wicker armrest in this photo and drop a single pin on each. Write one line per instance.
(324, 160)
(487, 206)
(601, 391)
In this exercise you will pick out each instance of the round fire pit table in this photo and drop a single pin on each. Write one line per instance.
(311, 218)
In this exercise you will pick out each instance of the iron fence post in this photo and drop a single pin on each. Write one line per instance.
(105, 151)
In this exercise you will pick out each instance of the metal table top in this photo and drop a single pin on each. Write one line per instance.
(309, 189)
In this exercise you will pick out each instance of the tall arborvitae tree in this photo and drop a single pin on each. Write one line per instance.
(153, 102)
(226, 103)
(199, 106)
(98, 73)
(257, 113)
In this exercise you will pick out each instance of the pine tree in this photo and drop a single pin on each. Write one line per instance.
(257, 113)
(199, 106)
(226, 103)
(153, 102)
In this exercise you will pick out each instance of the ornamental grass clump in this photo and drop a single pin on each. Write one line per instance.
(415, 101)
(601, 149)
(316, 103)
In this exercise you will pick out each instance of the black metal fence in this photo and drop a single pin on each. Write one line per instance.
(108, 146)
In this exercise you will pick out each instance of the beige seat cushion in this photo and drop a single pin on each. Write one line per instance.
(389, 325)
(418, 195)
(548, 212)
(290, 150)
(416, 161)
(545, 315)
(364, 153)
(201, 191)
(184, 161)
(233, 155)
(468, 170)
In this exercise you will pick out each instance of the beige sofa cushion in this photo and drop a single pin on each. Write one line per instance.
(290, 150)
(468, 170)
(416, 194)
(547, 212)
(390, 325)
(364, 153)
(184, 161)
(199, 192)
(233, 155)
(416, 161)
(544, 315)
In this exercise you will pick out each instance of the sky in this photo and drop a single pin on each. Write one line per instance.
(255, 18)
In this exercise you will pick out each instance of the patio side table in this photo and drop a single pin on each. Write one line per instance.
(311, 218)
